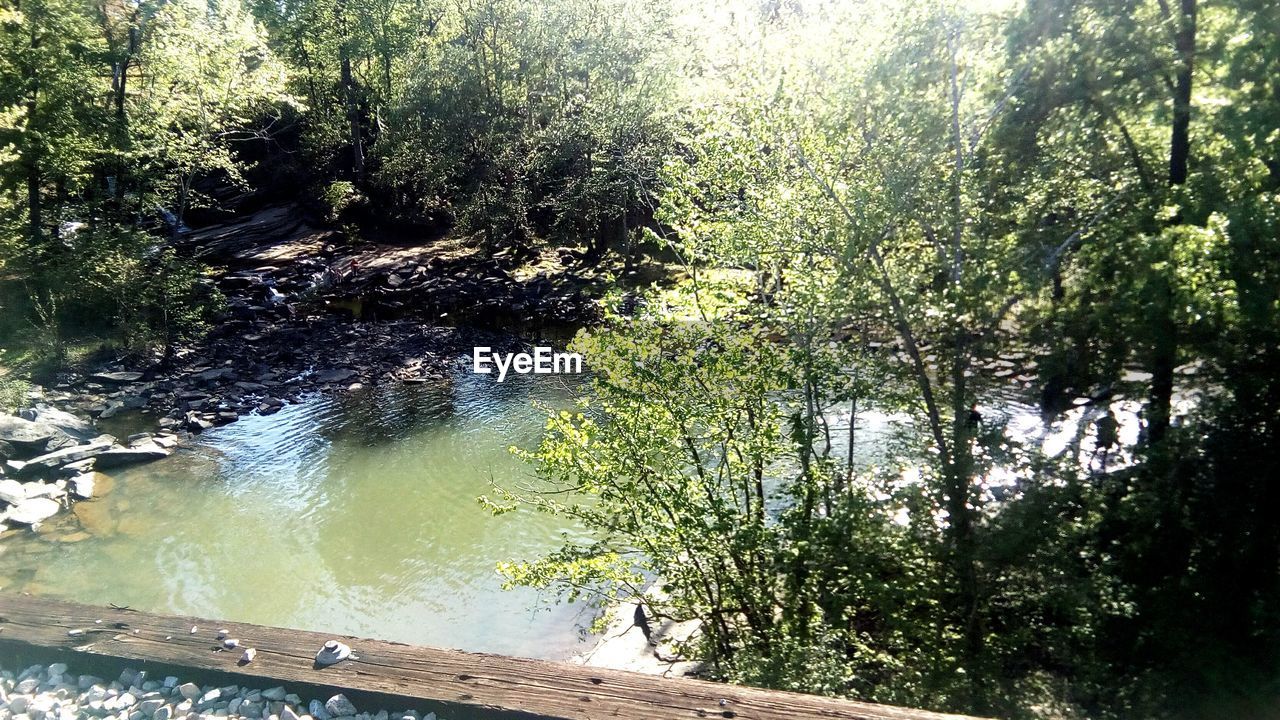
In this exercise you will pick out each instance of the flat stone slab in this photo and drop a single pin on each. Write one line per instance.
(142, 452)
(336, 375)
(12, 491)
(58, 458)
(20, 432)
(116, 378)
(32, 511)
(76, 427)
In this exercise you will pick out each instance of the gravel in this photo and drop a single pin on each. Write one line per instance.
(50, 692)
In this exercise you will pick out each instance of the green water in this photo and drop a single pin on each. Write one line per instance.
(354, 514)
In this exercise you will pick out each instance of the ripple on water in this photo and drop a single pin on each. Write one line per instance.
(352, 514)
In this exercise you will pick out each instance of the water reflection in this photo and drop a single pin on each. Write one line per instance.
(354, 514)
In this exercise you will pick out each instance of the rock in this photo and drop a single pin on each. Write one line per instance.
(80, 467)
(26, 435)
(116, 378)
(336, 375)
(18, 704)
(94, 517)
(82, 486)
(58, 458)
(30, 512)
(111, 409)
(142, 452)
(164, 712)
(195, 423)
(215, 374)
(317, 711)
(27, 685)
(190, 691)
(12, 491)
(39, 489)
(287, 713)
(339, 705)
(274, 694)
(6, 450)
(122, 404)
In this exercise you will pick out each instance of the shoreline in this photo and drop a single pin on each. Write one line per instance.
(307, 311)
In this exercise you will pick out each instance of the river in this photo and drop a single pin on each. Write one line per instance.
(353, 514)
(357, 514)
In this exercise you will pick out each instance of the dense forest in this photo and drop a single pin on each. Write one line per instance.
(910, 208)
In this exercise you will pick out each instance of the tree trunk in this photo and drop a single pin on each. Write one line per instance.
(353, 116)
(1185, 46)
(33, 199)
(349, 95)
(1164, 349)
(31, 155)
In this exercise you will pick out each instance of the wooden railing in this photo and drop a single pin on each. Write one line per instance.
(456, 684)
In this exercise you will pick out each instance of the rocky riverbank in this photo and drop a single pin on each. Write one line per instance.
(310, 310)
(49, 458)
(54, 693)
(305, 309)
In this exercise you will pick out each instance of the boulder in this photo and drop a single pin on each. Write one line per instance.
(215, 374)
(69, 424)
(58, 458)
(23, 434)
(118, 405)
(95, 517)
(141, 452)
(336, 375)
(40, 489)
(195, 423)
(6, 450)
(34, 510)
(12, 491)
(82, 486)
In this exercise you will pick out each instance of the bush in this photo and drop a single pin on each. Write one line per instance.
(13, 390)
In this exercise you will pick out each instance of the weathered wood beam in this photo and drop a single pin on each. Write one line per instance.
(472, 684)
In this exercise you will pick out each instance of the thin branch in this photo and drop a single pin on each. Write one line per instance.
(899, 312)
(1051, 263)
